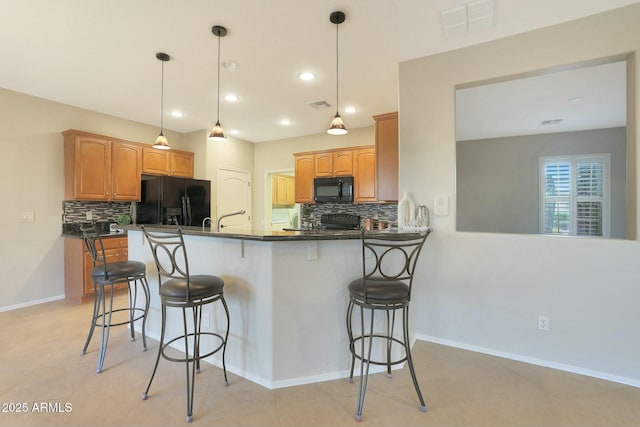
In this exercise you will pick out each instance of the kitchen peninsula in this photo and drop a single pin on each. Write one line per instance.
(287, 297)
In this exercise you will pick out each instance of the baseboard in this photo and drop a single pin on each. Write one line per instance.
(532, 360)
(30, 303)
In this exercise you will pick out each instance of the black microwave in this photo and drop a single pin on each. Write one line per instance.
(335, 189)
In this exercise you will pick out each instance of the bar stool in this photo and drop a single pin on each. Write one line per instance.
(182, 290)
(106, 275)
(388, 265)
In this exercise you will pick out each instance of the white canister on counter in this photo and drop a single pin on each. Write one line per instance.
(406, 211)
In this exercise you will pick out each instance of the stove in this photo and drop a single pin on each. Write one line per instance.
(339, 221)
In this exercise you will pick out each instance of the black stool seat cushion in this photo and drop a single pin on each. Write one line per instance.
(200, 286)
(382, 291)
(118, 270)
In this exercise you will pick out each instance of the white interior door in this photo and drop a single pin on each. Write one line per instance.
(234, 194)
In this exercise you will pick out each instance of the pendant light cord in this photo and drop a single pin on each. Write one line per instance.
(162, 99)
(337, 69)
(218, 118)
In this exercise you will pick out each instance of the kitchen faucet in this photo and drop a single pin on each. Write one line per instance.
(240, 212)
(204, 221)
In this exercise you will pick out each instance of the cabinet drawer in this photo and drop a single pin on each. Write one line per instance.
(114, 242)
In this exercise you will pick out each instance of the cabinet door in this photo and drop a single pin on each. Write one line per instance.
(364, 175)
(115, 249)
(386, 135)
(181, 164)
(274, 189)
(343, 163)
(112, 255)
(283, 190)
(92, 168)
(323, 164)
(289, 185)
(305, 173)
(126, 167)
(155, 161)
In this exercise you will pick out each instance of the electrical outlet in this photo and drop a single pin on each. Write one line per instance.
(89, 215)
(543, 323)
(206, 320)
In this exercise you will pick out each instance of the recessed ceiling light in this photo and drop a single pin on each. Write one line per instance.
(307, 76)
(234, 131)
(231, 98)
(350, 110)
(177, 113)
(285, 122)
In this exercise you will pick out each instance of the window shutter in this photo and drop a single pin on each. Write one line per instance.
(557, 203)
(574, 199)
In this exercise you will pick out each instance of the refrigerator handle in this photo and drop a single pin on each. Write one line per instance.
(184, 210)
(189, 219)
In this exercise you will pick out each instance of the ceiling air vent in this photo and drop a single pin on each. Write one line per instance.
(550, 122)
(319, 104)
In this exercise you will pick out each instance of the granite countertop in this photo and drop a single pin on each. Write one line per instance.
(74, 230)
(78, 234)
(264, 235)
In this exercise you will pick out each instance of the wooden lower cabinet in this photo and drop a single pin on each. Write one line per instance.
(78, 286)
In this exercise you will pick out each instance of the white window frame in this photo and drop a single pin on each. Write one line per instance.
(573, 160)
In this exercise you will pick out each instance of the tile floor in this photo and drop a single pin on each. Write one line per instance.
(40, 362)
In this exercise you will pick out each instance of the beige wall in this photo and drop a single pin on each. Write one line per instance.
(485, 291)
(31, 179)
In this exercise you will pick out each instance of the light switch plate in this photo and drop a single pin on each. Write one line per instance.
(441, 205)
(27, 216)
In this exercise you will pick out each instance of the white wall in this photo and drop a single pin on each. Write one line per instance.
(485, 291)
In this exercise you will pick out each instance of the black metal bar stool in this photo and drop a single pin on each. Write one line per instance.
(388, 265)
(182, 290)
(105, 276)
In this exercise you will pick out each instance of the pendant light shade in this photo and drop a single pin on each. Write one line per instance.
(161, 141)
(217, 133)
(337, 125)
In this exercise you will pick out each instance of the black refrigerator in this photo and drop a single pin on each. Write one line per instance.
(172, 200)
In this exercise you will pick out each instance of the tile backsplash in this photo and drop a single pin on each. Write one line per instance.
(74, 211)
(310, 214)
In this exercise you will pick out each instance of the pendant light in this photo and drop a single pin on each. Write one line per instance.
(337, 125)
(161, 141)
(217, 133)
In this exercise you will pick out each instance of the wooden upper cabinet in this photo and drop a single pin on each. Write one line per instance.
(126, 168)
(97, 168)
(323, 164)
(87, 167)
(282, 190)
(343, 162)
(364, 175)
(155, 161)
(386, 137)
(167, 162)
(304, 175)
(334, 163)
(181, 164)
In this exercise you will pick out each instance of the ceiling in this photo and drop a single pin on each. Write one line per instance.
(100, 55)
(563, 100)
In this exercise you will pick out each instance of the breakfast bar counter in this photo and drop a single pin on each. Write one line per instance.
(287, 297)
